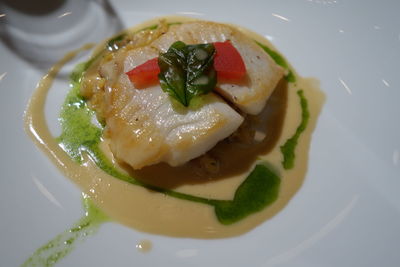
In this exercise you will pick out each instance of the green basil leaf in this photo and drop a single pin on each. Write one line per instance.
(173, 73)
(187, 71)
(201, 75)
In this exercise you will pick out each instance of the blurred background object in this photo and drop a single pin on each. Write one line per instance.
(43, 33)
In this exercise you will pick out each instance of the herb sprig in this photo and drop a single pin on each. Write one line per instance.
(187, 71)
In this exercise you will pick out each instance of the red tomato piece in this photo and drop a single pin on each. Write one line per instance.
(145, 75)
(228, 62)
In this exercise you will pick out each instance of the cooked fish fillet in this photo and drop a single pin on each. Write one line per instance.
(146, 128)
(263, 73)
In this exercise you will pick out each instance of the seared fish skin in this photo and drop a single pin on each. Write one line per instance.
(146, 126)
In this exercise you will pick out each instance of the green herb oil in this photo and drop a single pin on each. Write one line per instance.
(59, 247)
(288, 149)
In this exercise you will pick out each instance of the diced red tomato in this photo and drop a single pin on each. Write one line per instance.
(145, 74)
(228, 62)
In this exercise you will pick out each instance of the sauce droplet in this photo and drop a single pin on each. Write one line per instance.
(144, 246)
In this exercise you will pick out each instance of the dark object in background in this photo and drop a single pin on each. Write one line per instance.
(42, 32)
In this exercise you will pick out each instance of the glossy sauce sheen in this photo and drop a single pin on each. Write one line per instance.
(144, 246)
(154, 212)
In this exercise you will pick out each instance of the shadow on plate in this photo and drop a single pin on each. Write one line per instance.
(41, 34)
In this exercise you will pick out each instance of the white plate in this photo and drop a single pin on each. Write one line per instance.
(347, 213)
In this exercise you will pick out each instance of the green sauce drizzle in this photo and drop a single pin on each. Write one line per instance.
(79, 136)
(59, 247)
(289, 147)
(280, 60)
(260, 189)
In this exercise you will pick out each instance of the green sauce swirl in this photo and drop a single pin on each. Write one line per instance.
(59, 247)
(288, 149)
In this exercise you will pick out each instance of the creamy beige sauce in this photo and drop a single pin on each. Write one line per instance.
(153, 212)
(144, 246)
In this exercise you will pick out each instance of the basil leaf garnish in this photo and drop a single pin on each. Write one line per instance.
(187, 71)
